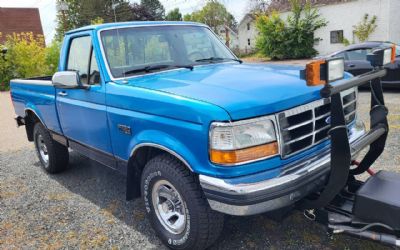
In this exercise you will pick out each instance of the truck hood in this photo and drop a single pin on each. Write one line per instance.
(243, 90)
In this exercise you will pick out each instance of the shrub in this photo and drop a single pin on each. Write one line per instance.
(291, 39)
(27, 56)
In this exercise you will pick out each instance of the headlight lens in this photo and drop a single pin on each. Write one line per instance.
(387, 56)
(335, 69)
(232, 143)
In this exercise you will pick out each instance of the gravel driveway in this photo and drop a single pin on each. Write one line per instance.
(85, 206)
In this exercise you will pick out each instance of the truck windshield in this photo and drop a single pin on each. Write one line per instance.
(135, 50)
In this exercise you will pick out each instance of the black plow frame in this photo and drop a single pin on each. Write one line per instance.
(333, 206)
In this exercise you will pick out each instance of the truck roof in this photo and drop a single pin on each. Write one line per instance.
(133, 23)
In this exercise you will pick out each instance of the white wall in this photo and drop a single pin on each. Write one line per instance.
(394, 26)
(344, 15)
(245, 34)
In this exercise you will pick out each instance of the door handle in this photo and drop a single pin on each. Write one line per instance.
(351, 65)
(62, 93)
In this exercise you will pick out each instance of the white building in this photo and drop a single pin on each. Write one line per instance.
(247, 32)
(341, 18)
(226, 33)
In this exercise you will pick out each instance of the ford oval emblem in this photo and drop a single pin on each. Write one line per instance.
(328, 120)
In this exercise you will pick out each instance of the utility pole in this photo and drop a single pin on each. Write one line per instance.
(62, 7)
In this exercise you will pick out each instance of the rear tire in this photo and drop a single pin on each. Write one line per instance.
(176, 206)
(53, 156)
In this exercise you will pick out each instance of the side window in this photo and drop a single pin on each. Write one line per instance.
(94, 73)
(341, 54)
(359, 54)
(78, 57)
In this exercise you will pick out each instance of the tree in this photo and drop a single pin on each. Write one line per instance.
(72, 14)
(214, 14)
(291, 39)
(365, 28)
(174, 15)
(154, 8)
(26, 56)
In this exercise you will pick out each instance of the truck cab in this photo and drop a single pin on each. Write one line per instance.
(197, 132)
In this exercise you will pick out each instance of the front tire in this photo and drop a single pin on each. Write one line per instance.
(53, 156)
(176, 206)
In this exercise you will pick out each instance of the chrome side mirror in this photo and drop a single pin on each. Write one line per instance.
(67, 80)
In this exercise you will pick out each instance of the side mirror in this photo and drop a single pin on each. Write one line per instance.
(67, 80)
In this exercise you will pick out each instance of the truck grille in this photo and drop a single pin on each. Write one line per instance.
(307, 125)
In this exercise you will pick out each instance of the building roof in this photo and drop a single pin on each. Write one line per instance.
(19, 20)
(246, 17)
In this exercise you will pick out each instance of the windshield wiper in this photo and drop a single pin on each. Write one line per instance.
(156, 67)
(215, 59)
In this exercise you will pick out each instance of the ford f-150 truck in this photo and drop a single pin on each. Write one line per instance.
(197, 132)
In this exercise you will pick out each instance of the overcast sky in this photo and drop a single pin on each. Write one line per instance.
(47, 9)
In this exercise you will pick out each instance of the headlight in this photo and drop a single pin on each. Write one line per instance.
(381, 57)
(335, 69)
(243, 141)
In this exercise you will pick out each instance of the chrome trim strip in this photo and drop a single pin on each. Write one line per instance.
(298, 125)
(150, 25)
(149, 144)
(32, 82)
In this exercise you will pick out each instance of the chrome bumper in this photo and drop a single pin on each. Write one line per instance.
(258, 193)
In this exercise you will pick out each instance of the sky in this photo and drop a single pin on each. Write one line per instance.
(47, 9)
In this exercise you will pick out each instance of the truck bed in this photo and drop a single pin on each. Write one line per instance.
(36, 94)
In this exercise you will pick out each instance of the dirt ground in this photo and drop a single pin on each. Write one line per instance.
(11, 138)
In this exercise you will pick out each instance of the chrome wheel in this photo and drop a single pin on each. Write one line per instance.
(41, 146)
(169, 206)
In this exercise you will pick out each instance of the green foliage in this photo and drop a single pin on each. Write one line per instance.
(154, 8)
(174, 15)
(77, 13)
(27, 57)
(291, 39)
(97, 20)
(213, 14)
(345, 41)
(365, 28)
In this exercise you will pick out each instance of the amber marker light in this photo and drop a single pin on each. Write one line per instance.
(313, 73)
(244, 155)
(393, 58)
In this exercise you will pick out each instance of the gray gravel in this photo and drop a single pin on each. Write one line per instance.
(85, 207)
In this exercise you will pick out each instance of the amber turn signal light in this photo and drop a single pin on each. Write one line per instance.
(313, 73)
(393, 58)
(242, 155)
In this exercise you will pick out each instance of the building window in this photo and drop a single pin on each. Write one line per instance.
(248, 26)
(337, 36)
(248, 41)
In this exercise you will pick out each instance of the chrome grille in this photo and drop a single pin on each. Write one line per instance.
(308, 125)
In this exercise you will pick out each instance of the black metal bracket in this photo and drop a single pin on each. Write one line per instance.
(341, 150)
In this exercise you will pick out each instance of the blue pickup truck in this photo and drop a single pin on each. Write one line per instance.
(197, 132)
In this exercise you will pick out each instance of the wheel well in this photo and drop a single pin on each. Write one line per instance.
(136, 164)
(30, 120)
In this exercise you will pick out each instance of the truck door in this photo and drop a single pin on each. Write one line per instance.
(82, 112)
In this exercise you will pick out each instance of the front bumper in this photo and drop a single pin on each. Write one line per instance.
(256, 193)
